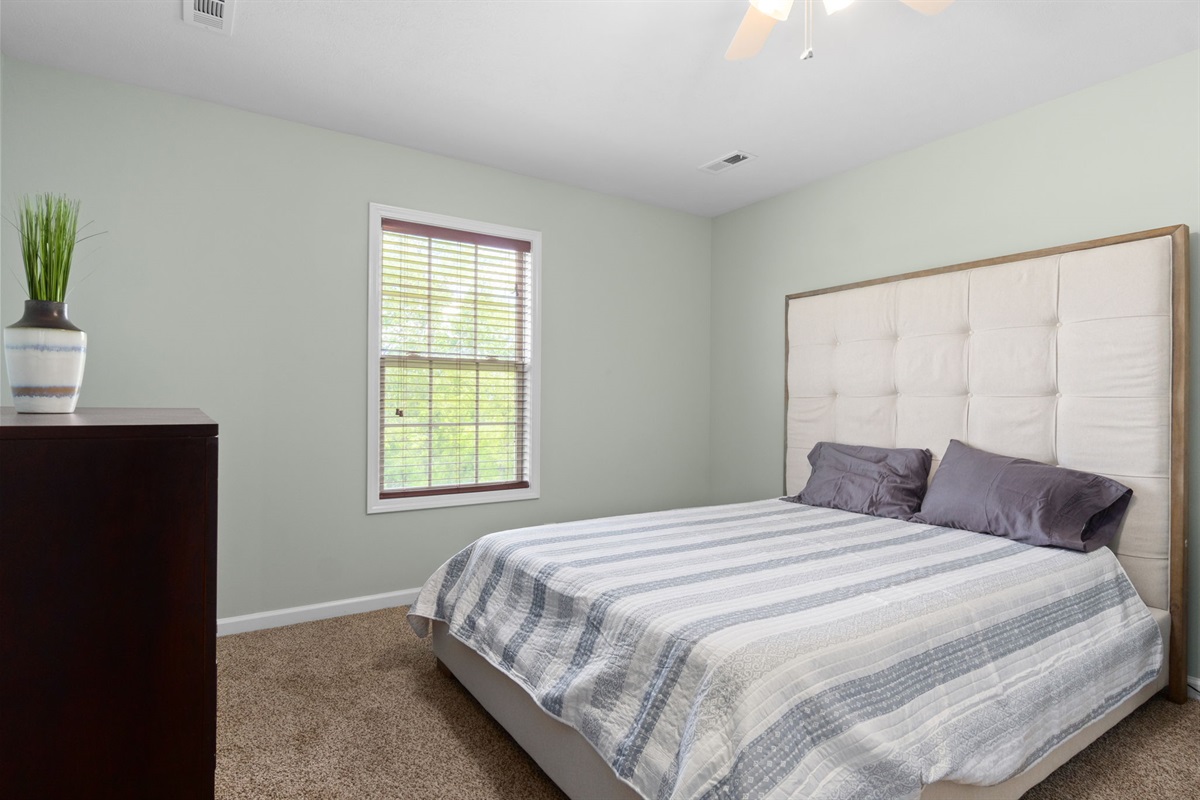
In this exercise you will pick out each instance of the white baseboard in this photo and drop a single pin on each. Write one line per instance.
(1193, 687)
(335, 608)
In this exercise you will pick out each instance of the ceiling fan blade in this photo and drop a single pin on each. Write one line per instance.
(751, 35)
(929, 7)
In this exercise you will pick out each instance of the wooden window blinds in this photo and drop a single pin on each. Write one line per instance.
(454, 361)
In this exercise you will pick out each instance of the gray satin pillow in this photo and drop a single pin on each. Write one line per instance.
(1024, 500)
(884, 482)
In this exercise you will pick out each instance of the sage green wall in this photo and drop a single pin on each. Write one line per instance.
(233, 278)
(2, 225)
(1119, 157)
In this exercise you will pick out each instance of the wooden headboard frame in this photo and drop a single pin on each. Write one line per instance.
(1178, 479)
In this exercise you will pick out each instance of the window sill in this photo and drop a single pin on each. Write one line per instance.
(377, 506)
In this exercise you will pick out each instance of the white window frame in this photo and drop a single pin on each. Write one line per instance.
(375, 504)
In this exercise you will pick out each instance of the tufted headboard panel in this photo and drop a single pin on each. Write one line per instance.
(1073, 356)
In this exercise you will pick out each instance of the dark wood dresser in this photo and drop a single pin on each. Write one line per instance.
(108, 543)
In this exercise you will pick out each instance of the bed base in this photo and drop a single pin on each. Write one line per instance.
(574, 765)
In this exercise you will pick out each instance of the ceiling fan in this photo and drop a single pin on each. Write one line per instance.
(762, 15)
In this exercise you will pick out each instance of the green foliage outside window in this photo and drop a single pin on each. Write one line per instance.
(453, 363)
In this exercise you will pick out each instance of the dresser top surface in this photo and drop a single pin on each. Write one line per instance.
(106, 422)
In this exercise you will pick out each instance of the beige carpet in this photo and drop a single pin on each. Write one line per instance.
(354, 708)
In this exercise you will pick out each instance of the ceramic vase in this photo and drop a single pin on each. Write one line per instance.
(45, 355)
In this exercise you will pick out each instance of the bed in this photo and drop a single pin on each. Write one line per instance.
(1073, 356)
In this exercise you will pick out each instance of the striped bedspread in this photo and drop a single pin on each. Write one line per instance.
(775, 650)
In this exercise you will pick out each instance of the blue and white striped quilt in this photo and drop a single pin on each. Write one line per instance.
(776, 650)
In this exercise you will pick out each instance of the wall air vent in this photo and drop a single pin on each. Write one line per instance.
(212, 15)
(727, 162)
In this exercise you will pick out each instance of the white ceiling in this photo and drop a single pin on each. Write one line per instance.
(626, 97)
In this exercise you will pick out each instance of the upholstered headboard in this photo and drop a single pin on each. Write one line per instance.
(1074, 356)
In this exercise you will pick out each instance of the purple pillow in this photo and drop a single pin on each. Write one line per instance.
(1024, 500)
(884, 482)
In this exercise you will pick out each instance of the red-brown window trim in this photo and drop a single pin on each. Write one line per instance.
(452, 235)
(470, 487)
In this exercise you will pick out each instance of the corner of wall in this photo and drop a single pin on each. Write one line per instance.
(710, 465)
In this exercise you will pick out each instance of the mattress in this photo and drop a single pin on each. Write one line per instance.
(773, 649)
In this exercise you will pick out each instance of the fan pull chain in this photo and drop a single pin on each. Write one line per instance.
(808, 25)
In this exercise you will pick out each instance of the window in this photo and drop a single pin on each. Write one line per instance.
(452, 385)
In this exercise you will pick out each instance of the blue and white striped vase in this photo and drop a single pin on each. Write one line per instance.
(45, 355)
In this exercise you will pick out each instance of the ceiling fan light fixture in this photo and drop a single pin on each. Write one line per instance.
(776, 9)
(763, 15)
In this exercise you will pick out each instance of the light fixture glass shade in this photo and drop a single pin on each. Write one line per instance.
(834, 6)
(928, 7)
(776, 9)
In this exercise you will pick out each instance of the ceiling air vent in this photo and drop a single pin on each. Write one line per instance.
(212, 15)
(727, 162)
